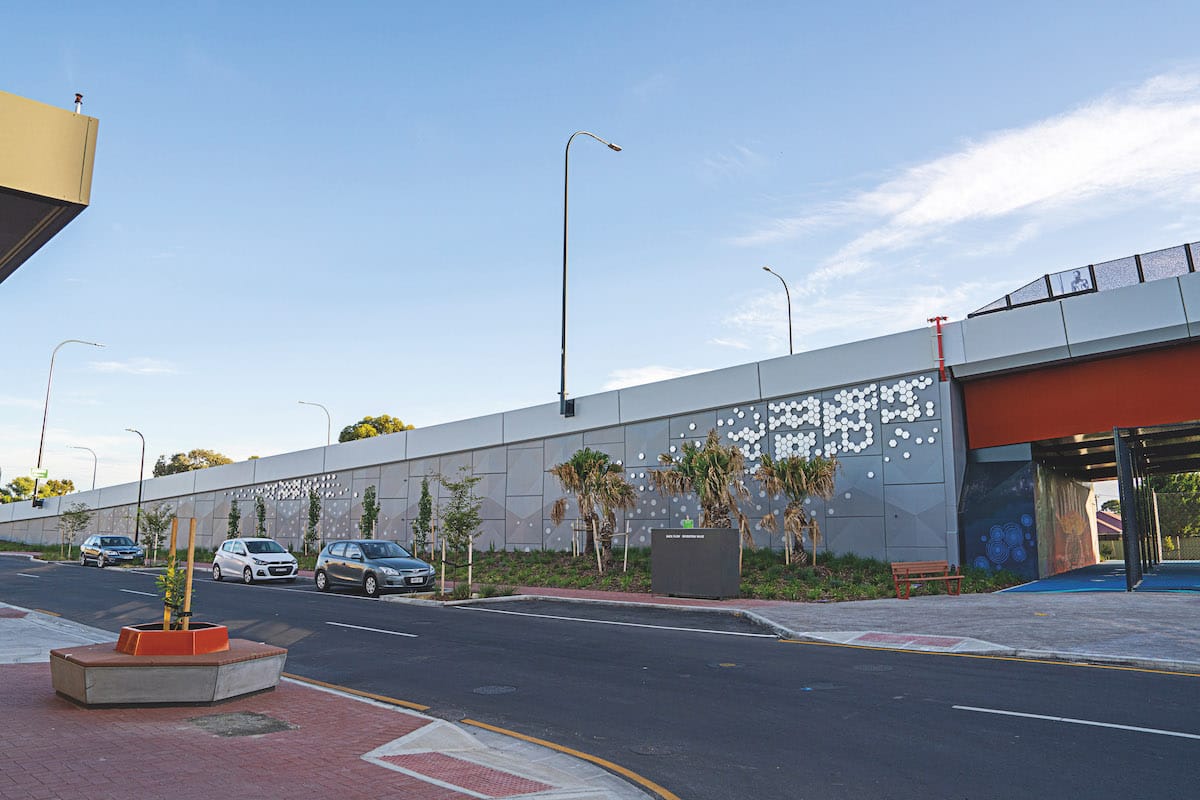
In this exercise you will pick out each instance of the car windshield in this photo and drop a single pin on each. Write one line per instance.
(384, 550)
(267, 546)
(116, 541)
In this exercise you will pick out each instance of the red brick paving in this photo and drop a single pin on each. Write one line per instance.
(51, 748)
(12, 613)
(467, 774)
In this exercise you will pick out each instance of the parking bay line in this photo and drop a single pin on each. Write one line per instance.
(626, 624)
(373, 630)
(135, 591)
(1089, 722)
(27, 575)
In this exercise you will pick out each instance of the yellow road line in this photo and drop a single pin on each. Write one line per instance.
(1117, 667)
(44, 611)
(665, 794)
(382, 698)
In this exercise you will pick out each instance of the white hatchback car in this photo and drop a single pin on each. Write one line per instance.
(254, 559)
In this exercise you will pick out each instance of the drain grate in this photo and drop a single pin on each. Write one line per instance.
(240, 723)
(873, 667)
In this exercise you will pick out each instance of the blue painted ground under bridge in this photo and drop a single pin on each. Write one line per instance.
(1109, 576)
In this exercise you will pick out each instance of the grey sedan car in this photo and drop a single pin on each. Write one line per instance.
(373, 565)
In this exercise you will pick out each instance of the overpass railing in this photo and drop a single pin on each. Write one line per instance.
(1169, 263)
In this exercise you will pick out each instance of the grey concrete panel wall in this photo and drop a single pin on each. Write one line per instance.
(706, 390)
(1128, 317)
(915, 516)
(393, 481)
(491, 460)
(524, 471)
(7, 509)
(560, 449)
(644, 441)
(289, 465)
(615, 435)
(1189, 289)
(913, 453)
(862, 536)
(364, 452)
(523, 523)
(1016, 338)
(170, 486)
(456, 436)
(226, 476)
(591, 412)
(122, 493)
(863, 361)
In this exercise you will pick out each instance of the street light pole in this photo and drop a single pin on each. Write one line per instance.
(137, 520)
(46, 411)
(94, 461)
(565, 408)
(789, 305)
(328, 419)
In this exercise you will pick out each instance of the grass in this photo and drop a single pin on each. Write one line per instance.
(764, 575)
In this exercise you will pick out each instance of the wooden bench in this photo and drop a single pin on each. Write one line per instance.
(906, 573)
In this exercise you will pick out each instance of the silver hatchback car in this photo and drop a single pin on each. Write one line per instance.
(252, 559)
(373, 565)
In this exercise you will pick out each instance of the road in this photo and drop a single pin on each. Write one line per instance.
(706, 705)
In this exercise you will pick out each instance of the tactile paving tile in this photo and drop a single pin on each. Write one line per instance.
(11, 613)
(467, 774)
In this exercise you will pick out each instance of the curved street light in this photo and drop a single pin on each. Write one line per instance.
(789, 305)
(94, 461)
(46, 412)
(565, 408)
(328, 419)
(137, 519)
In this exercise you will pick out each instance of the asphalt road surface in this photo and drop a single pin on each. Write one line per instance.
(708, 706)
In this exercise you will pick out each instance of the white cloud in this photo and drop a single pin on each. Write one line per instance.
(1122, 149)
(135, 366)
(738, 160)
(736, 344)
(636, 376)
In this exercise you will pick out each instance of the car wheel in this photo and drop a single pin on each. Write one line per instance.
(82, 560)
(322, 581)
(371, 585)
(100, 561)
(216, 572)
(247, 576)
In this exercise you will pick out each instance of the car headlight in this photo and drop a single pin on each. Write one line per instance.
(388, 571)
(259, 561)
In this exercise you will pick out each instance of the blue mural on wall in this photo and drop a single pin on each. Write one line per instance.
(997, 517)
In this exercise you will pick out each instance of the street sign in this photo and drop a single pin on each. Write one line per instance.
(39, 474)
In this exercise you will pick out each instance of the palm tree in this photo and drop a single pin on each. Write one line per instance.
(798, 478)
(600, 491)
(714, 472)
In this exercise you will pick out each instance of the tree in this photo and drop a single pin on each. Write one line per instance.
(460, 517)
(71, 523)
(260, 516)
(22, 489)
(155, 522)
(1178, 498)
(423, 525)
(186, 462)
(600, 490)
(235, 521)
(797, 478)
(714, 473)
(314, 519)
(372, 426)
(1111, 506)
(370, 514)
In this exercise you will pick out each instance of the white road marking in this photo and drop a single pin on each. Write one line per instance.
(27, 575)
(625, 624)
(1092, 723)
(134, 591)
(373, 630)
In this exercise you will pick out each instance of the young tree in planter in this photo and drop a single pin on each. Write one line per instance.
(370, 514)
(423, 525)
(600, 490)
(713, 472)
(235, 521)
(314, 519)
(71, 523)
(155, 522)
(460, 516)
(260, 515)
(797, 478)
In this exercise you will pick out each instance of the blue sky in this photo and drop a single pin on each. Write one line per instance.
(361, 205)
